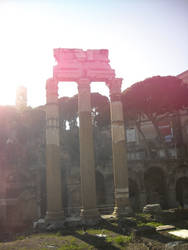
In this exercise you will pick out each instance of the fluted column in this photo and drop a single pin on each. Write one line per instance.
(53, 171)
(119, 154)
(89, 211)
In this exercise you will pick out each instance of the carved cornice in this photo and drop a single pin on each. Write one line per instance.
(73, 64)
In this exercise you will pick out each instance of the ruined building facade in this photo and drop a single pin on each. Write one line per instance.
(23, 170)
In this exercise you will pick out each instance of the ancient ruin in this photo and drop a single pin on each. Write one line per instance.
(26, 134)
(84, 67)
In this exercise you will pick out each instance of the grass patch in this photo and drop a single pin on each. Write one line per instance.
(58, 234)
(72, 245)
(154, 224)
(20, 237)
(119, 240)
(144, 216)
(149, 224)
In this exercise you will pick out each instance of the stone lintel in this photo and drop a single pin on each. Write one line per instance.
(79, 55)
(73, 64)
(74, 76)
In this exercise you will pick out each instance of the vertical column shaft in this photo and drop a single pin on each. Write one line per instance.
(87, 164)
(119, 155)
(53, 172)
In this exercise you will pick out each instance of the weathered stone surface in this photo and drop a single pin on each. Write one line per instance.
(73, 64)
(53, 171)
(43, 225)
(152, 208)
(119, 154)
(182, 233)
(165, 227)
(89, 210)
(39, 225)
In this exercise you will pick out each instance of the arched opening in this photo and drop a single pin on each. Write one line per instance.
(182, 191)
(133, 194)
(155, 186)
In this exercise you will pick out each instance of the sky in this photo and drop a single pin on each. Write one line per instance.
(144, 38)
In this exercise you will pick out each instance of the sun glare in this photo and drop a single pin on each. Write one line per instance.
(23, 60)
(139, 46)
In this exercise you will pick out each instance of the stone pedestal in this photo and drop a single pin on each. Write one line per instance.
(119, 154)
(53, 171)
(89, 212)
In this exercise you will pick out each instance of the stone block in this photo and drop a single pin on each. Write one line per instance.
(165, 227)
(182, 233)
(152, 208)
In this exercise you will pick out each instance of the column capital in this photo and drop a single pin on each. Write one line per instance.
(83, 82)
(115, 88)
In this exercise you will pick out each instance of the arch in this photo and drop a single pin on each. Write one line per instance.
(175, 174)
(182, 191)
(154, 181)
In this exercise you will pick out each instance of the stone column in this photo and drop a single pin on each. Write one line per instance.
(119, 154)
(53, 171)
(89, 212)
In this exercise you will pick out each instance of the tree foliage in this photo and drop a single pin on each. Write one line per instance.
(100, 110)
(156, 96)
(154, 99)
(100, 114)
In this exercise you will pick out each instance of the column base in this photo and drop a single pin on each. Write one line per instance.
(90, 216)
(122, 211)
(54, 216)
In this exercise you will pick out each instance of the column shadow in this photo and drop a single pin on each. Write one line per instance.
(121, 227)
(97, 242)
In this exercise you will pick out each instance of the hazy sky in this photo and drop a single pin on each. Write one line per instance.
(144, 38)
